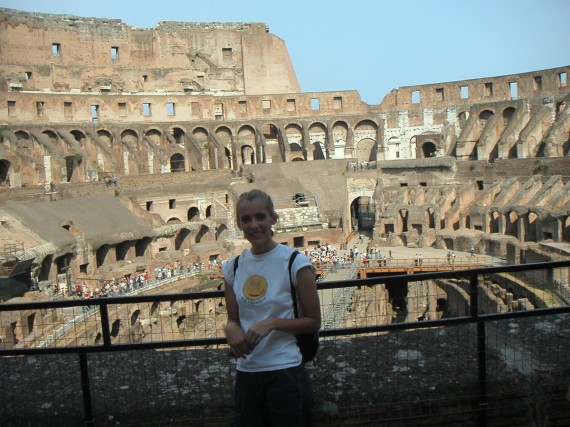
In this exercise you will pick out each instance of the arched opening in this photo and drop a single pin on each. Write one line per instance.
(102, 253)
(362, 214)
(318, 151)
(429, 149)
(4, 173)
(193, 214)
(177, 163)
(71, 165)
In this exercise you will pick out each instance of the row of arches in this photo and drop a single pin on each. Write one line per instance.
(76, 154)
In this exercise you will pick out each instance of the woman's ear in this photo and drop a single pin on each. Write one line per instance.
(274, 220)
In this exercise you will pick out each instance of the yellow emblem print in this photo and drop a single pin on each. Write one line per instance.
(255, 287)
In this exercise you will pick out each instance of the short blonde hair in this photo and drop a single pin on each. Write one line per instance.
(257, 194)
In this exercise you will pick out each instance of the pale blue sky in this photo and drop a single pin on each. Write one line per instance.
(372, 46)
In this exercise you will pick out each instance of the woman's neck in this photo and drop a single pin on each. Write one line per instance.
(262, 249)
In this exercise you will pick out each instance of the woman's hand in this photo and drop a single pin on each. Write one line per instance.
(259, 331)
(237, 339)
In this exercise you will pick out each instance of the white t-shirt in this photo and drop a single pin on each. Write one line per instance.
(262, 289)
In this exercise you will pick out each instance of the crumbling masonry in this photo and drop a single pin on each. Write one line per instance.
(120, 145)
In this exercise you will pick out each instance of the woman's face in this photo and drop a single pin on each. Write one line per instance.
(255, 220)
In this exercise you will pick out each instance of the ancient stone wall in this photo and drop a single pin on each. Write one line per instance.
(74, 54)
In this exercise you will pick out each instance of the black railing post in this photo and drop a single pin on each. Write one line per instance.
(86, 390)
(105, 327)
(481, 350)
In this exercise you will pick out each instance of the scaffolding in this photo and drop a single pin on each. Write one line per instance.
(10, 257)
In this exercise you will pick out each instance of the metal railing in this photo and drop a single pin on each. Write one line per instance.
(146, 359)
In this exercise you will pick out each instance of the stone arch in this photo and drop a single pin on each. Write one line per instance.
(364, 189)
(294, 140)
(246, 141)
(462, 118)
(72, 166)
(194, 214)
(177, 163)
(80, 137)
(511, 220)
(135, 316)
(319, 151)
(428, 149)
(365, 144)
(366, 150)
(202, 138)
(508, 114)
(319, 141)
(106, 137)
(101, 255)
(128, 150)
(178, 135)
(155, 137)
(5, 173)
(224, 136)
(203, 233)
(54, 138)
(340, 138)
(394, 148)
(173, 220)
(181, 241)
(220, 230)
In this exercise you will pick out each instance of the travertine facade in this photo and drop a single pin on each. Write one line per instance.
(178, 112)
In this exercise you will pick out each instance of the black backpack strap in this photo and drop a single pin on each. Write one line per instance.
(293, 292)
(236, 262)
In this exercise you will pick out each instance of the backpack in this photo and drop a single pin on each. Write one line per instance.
(307, 343)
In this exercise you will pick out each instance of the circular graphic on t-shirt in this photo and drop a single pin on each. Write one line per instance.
(255, 287)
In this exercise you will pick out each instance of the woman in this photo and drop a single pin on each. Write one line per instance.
(272, 387)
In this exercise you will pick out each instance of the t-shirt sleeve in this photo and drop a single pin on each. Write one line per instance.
(228, 270)
(301, 261)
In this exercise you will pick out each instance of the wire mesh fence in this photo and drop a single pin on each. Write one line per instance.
(462, 346)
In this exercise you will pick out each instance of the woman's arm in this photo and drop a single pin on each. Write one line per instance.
(234, 333)
(309, 301)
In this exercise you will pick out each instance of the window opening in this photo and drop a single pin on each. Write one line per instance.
(27, 75)
(146, 109)
(40, 108)
(11, 108)
(337, 103)
(145, 78)
(513, 89)
(56, 49)
(170, 109)
(291, 105)
(171, 203)
(315, 104)
(537, 80)
(95, 113)
(218, 111)
(266, 104)
(562, 82)
(122, 109)
(415, 97)
(242, 106)
(464, 92)
(68, 109)
(149, 206)
(227, 53)
(488, 89)
(114, 52)
(439, 94)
